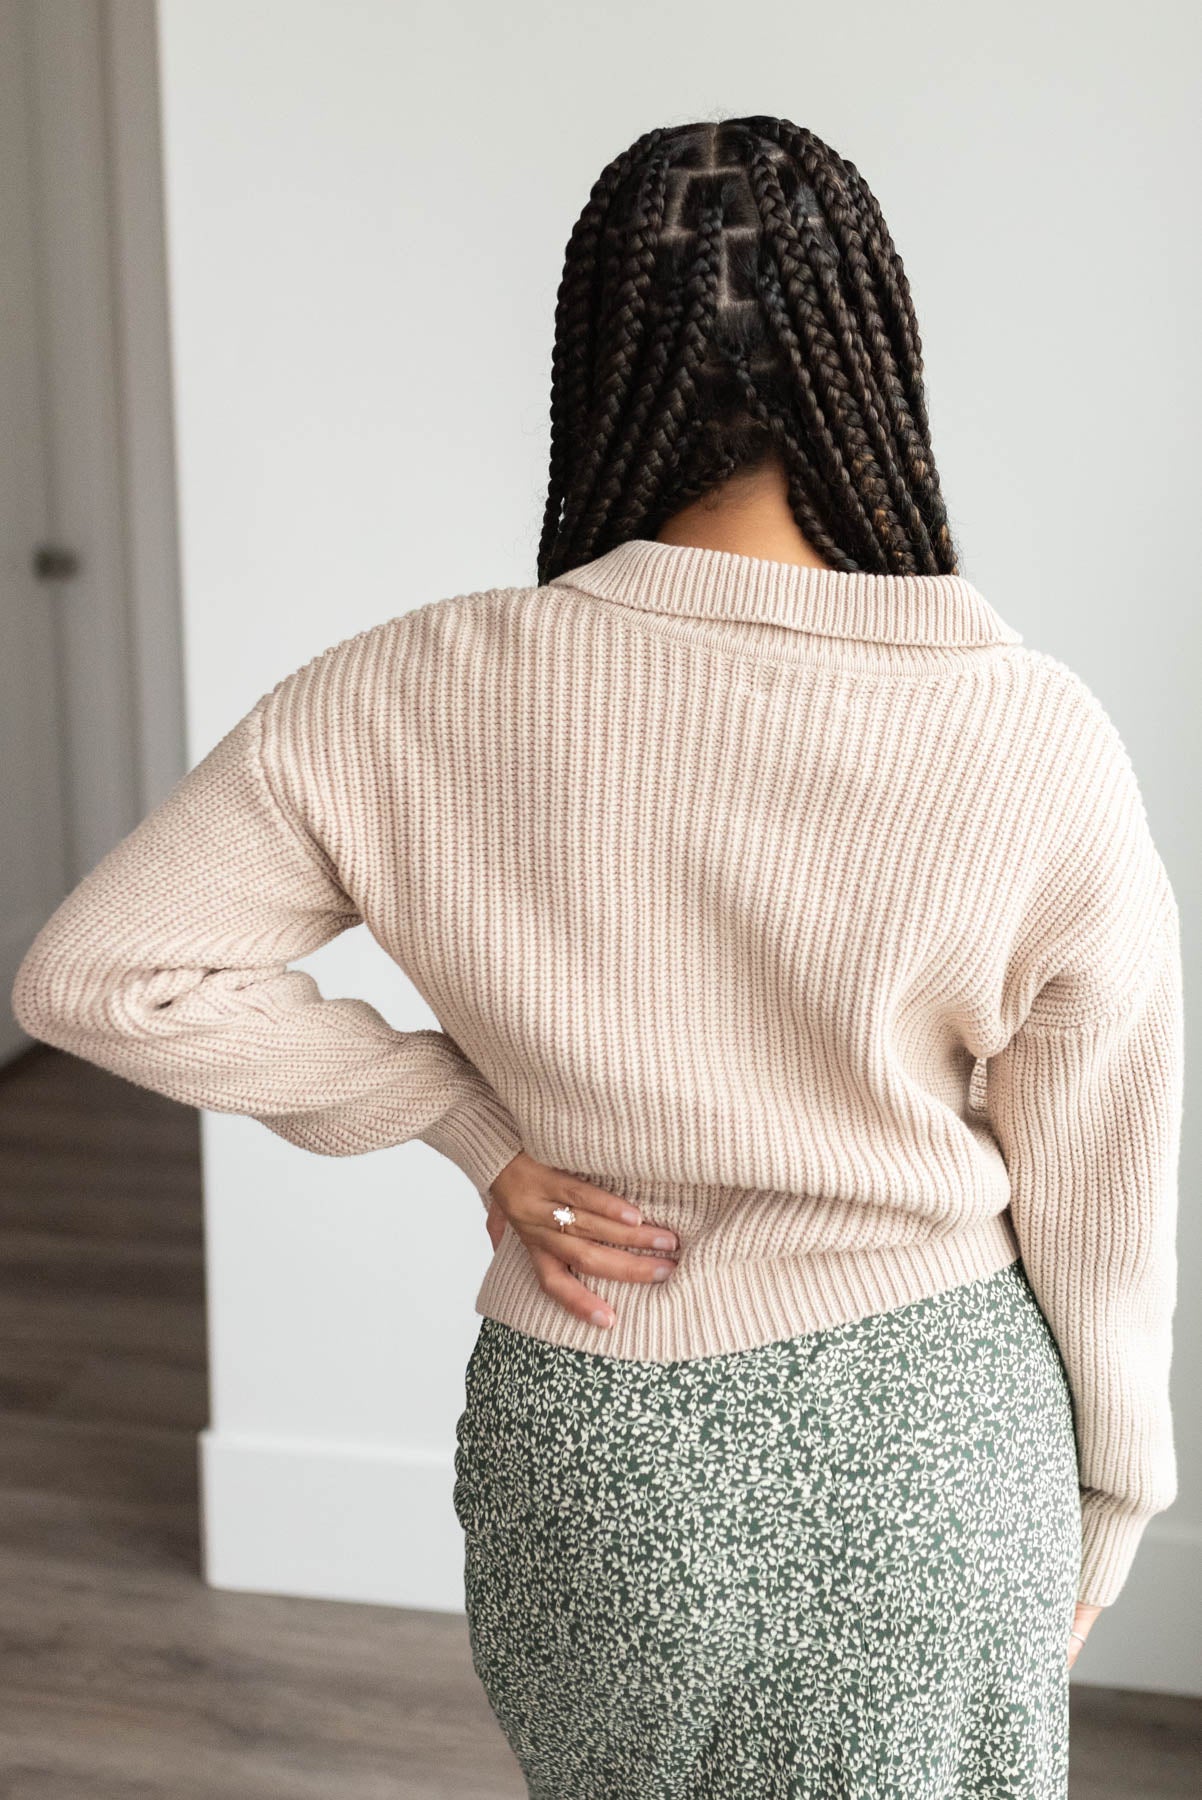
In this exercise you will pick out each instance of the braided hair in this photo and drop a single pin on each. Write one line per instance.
(731, 294)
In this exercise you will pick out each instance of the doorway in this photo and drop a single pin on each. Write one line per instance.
(91, 703)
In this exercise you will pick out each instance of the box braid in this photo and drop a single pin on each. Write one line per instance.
(731, 292)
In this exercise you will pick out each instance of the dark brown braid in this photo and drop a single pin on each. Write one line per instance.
(731, 293)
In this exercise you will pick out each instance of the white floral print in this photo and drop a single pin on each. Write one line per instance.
(841, 1566)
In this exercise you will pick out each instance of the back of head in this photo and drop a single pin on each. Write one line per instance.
(730, 295)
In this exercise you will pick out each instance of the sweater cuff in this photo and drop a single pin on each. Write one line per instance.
(479, 1134)
(1110, 1537)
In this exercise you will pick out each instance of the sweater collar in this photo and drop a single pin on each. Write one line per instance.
(722, 584)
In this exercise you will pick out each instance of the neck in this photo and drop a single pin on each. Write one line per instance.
(749, 514)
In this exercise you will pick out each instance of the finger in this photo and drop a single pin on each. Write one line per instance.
(602, 1262)
(494, 1221)
(585, 1196)
(600, 1229)
(561, 1285)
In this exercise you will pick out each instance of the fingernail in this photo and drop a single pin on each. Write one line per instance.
(602, 1318)
(630, 1217)
(663, 1243)
(662, 1272)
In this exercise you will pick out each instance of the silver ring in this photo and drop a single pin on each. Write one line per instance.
(564, 1216)
(1077, 1635)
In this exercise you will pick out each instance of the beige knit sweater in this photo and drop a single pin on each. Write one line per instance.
(806, 909)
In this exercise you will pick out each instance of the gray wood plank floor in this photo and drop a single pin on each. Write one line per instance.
(122, 1677)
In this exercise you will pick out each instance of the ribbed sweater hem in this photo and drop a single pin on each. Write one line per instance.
(710, 1309)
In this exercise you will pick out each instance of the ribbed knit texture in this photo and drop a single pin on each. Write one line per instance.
(810, 910)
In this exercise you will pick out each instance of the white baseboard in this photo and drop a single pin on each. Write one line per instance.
(330, 1522)
(336, 1522)
(1151, 1638)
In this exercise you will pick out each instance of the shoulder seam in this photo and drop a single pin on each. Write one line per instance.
(281, 806)
(1160, 952)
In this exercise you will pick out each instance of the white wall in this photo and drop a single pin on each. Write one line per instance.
(368, 206)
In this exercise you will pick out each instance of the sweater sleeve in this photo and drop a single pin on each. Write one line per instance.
(168, 965)
(1086, 1103)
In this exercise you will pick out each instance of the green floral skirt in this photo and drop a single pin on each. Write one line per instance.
(841, 1566)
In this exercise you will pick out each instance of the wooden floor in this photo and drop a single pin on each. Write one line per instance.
(123, 1677)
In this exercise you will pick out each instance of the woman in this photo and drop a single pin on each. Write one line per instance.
(809, 987)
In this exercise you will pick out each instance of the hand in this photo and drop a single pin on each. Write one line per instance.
(526, 1193)
(1083, 1618)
